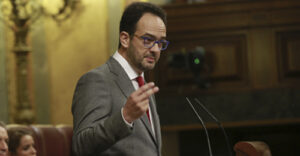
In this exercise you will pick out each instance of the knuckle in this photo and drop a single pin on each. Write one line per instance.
(149, 92)
(134, 100)
(141, 109)
(131, 97)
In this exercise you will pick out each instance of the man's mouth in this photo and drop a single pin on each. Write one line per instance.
(150, 59)
(3, 153)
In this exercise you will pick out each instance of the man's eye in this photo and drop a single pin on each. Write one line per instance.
(147, 39)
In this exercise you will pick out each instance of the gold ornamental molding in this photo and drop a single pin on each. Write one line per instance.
(19, 15)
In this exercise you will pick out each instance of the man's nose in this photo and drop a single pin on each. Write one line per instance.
(155, 48)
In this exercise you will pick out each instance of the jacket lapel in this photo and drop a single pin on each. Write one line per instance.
(125, 84)
(155, 121)
(121, 78)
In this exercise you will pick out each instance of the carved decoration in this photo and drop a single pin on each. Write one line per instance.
(18, 15)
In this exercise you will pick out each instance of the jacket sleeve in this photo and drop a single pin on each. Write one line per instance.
(96, 126)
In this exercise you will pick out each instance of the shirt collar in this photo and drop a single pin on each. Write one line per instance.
(126, 66)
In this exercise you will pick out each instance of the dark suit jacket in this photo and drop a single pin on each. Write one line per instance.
(99, 128)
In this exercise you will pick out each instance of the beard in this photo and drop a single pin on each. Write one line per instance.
(140, 60)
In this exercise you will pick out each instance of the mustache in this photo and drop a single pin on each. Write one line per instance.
(152, 55)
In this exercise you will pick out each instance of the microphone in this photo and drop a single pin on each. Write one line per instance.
(218, 123)
(203, 125)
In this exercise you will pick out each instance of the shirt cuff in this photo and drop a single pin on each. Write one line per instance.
(129, 124)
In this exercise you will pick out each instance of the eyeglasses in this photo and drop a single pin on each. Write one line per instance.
(150, 42)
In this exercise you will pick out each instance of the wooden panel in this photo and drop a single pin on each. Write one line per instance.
(225, 62)
(263, 58)
(232, 15)
(288, 57)
(208, 22)
(241, 48)
(283, 140)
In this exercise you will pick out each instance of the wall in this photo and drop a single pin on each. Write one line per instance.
(74, 47)
(59, 54)
(115, 9)
(8, 79)
(250, 76)
(3, 89)
(248, 61)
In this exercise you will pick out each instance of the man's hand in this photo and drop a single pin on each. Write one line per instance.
(138, 102)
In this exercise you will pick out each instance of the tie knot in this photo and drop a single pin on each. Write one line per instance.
(140, 80)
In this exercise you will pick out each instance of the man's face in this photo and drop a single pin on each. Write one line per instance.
(3, 142)
(141, 57)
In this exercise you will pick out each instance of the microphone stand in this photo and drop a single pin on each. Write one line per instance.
(203, 125)
(218, 123)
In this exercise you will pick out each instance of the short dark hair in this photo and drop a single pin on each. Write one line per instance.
(15, 134)
(134, 12)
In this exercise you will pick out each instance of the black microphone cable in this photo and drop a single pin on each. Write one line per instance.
(218, 123)
(203, 125)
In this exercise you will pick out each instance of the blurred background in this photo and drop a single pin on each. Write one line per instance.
(240, 58)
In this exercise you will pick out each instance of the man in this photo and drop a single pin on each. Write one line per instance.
(3, 140)
(114, 113)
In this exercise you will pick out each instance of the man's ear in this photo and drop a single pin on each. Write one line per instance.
(124, 39)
